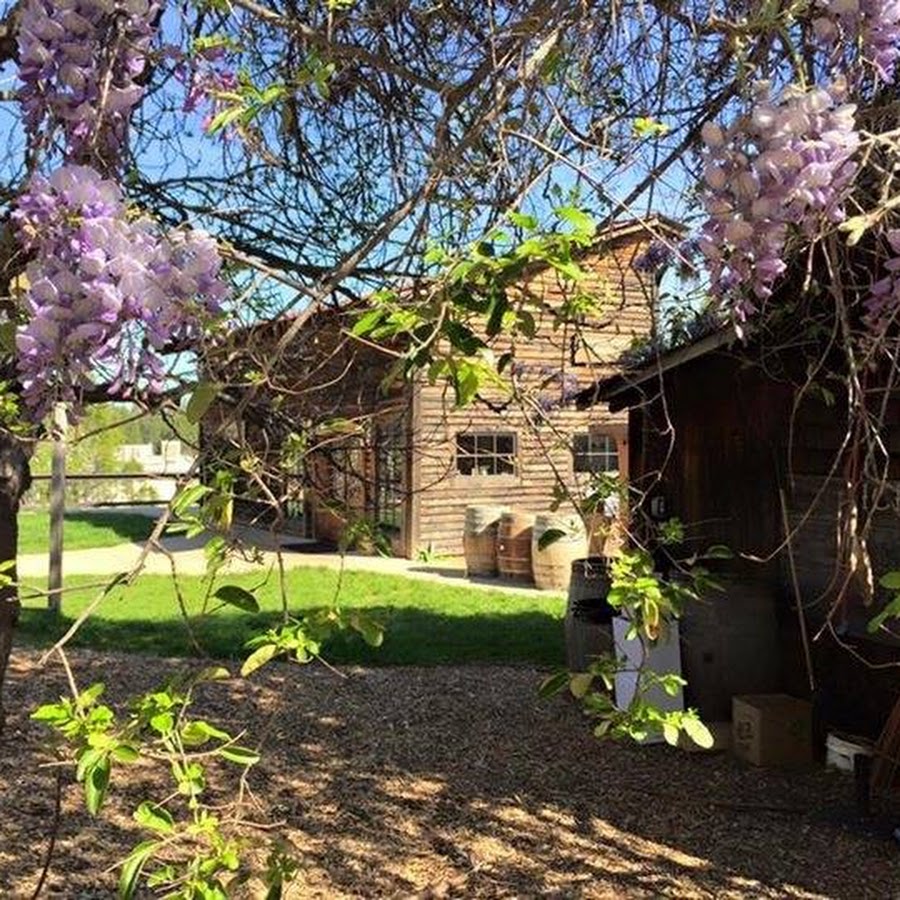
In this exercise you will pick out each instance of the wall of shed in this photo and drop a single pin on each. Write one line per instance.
(721, 450)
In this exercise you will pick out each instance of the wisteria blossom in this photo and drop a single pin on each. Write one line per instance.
(873, 25)
(107, 293)
(783, 169)
(883, 302)
(79, 61)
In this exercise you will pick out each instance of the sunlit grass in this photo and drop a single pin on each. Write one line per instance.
(83, 530)
(427, 623)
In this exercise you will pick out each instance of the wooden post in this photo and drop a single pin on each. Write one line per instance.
(57, 507)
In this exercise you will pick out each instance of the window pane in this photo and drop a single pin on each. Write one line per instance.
(484, 444)
(486, 453)
(465, 443)
(594, 453)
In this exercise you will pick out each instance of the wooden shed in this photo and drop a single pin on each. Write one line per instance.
(722, 436)
(408, 459)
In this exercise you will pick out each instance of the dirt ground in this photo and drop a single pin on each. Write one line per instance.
(458, 782)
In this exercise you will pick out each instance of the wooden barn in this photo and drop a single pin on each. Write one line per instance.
(722, 436)
(405, 458)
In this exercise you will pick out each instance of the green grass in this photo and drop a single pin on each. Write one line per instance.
(83, 530)
(426, 623)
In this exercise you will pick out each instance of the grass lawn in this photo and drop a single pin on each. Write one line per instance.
(83, 530)
(425, 623)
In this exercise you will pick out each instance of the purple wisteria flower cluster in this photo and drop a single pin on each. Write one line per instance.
(784, 169)
(106, 292)
(79, 61)
(211, 84)
(883, 302)
(872, 25)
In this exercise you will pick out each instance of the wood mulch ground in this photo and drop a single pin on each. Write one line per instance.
(457, 782)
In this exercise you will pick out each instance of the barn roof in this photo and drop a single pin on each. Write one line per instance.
(657, 226)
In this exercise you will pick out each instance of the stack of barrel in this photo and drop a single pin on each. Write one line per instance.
(523, 547)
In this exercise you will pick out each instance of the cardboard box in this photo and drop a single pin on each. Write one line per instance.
(772, 730)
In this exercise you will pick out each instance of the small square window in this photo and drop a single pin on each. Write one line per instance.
(486, 453)
(594, 453)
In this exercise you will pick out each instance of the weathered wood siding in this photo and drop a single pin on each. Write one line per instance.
(579, 351)
(722, 450)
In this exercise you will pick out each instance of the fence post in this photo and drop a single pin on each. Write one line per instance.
(57, 507)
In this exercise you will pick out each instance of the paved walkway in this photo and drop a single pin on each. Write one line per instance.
(189, 559)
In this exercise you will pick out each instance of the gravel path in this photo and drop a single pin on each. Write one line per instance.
(457, 782)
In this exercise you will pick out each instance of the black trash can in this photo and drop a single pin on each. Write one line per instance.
(588, 615)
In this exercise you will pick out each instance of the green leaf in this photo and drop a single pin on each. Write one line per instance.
(225, 118)
(698, 732)
(126, 753)
(243, 756)
(370, 630)
(132, 867)
(890, 580)
(162, 876)
(234, 595)
(188, 496)
(550, 536)
(88, 696)
(366, 322)
(523, 220)
(201, 400)
(197, 732)
(580, 683)
(670, 733)
(892, 610)
(553, 684)
(718, 551)
(156, 818)
(581, 221)
(258, 658)
(212, 673)
(95, 784)
(644, 126)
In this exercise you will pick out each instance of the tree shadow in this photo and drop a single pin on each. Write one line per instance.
(457, 781)
(412, 636)
(131, 527)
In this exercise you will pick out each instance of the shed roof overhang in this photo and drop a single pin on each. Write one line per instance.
(635, 386)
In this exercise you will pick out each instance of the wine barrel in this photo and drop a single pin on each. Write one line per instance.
(480, 539)
(588, 615)
(552, 565)
(514, 545)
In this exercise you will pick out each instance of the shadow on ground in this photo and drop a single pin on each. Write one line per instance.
(457, 782)
(412, 636)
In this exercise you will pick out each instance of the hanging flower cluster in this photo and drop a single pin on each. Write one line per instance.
(212, 87)
(872, 25)
(884, 298)
(79, 61)
(106, 293)
(784, 169)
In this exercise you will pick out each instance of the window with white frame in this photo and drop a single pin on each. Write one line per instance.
(486, 453)
(593, 452)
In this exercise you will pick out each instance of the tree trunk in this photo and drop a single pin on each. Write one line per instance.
(15, 477)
